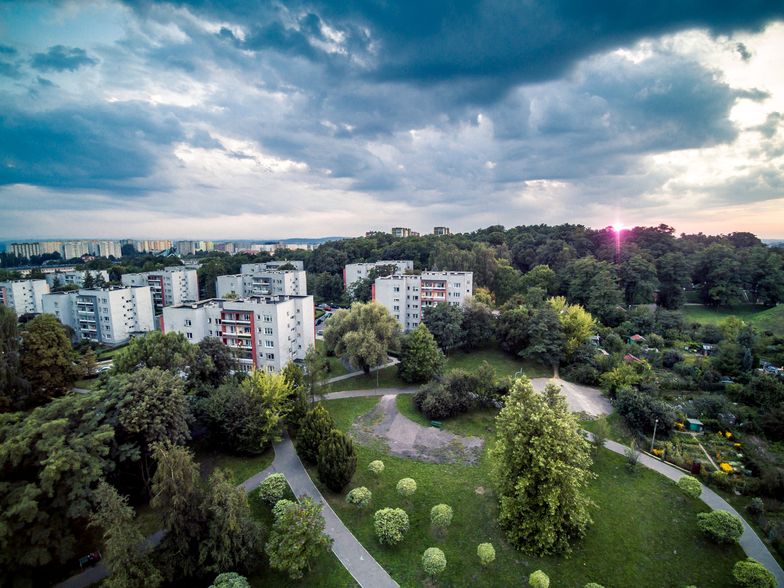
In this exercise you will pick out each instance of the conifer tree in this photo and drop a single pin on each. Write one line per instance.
(337, 460)
(314, 429)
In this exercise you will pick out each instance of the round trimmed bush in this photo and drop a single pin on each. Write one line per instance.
(391, 525)
(230, 580)
(691, 486)
(273, 488)
(406, 487)
(433, 561)
(359, 497)
(376, 467)
(486, 553)
(539, 579)
(720, 526)
(441, 516)
(750, 573)
(281, 506)
(593, 585)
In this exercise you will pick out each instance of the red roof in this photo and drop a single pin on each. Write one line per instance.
(632, 358)
(637, 338)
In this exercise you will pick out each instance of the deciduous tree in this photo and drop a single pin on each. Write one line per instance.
(297, 538)
(363, 335)
(445, 322)
(420, 358)
(170, 351)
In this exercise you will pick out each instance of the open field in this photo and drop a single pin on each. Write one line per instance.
(504, 364)
(644, 532)
(765, 319)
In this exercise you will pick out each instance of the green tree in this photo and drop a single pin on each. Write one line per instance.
(593, 284)
(170, 351)
(577, 323)
(638, 279)
(126, 555)
(541, 466)
(329, 287)
(178, 497)
(151, 408)
(211, 365)
(88, 281)
(313, 431)
(337, 460)
(673, 273)
(230, 580)
(47, 361)
(363, 335)
(445, 322)
(247, 417)
(233, 538)
(540, 276)
(718, 272)
(420, 358)
(12, 386)
(478, 325)
(316, 371)
(52, 460)
(297, 538)
(750, 573)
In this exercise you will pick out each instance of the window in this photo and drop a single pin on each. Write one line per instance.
(268, 330)
(270, 368)
(270, 356)
(189, 335)
(267, 318)
(396, 289)
(269, 344)
(395, 308)
(188, 322)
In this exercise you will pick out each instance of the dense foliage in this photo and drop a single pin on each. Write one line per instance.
(314, 429)
(297, 538)
(720, 526)
(391, 525)
(750, 573)
(363, 335)
(433, 561)
(337, 460)
(420, 358)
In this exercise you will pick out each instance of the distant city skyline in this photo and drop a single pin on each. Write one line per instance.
(310, 117)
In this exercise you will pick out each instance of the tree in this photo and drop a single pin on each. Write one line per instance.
(690, 486)
(593, 284)
(126, 555)
(577, 323)
(273, 488)
(329, 287)
(539, 579)
(638, 279)
(297, 538)
(316, 370)
(314, 430)
(478, 325)
(178, 497)
(88, 280)
(233, 538)
(545, 336)
(406, 487)
(212, 363)
(359, 497)
(230, 580)
(445, 322)
(420, 358)
(362, 335)
(12, 386)
(441, 516)
(151, 408)
(337, 460)
(718, 272)
(673, 274)
(89, 363)
(540, 276)
(47, 360)
(247, 417)
(541, 465)
(170, 351)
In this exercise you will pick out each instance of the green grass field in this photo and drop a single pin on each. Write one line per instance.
(644, 531)
(336, 367)
(765, 319)
(504, 364)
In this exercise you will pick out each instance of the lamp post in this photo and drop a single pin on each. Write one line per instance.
(653, 441)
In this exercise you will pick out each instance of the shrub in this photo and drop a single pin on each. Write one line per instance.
(441, 516)
(670, 358)
(593, 585)
(273, 488)
(391, 525)
(486, 553)
(376, 467)
(437, 404)
(337, 460)
(539, 579)
(750, 573)
(756, 506)
(359, 497)
(230, 580)
(433, 561)
(281, 506)
(406, 487)
(690, 486)
(720, 526)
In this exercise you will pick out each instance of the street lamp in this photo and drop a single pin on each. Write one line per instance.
(653, 441)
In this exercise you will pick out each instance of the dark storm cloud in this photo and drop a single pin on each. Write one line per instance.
(743, 51)
(105, 147)
(61, 58)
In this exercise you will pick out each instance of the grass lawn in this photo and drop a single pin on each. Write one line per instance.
(769, 319)
(109, 353)
(644, 532)
(336, 367)
(504, 364)
(618, 431)
(87, 383)
(387, 378)
(242, 467)
(327, 571)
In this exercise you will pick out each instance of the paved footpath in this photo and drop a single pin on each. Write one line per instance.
(749, 541)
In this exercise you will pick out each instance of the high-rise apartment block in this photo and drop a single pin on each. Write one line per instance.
(401, 232)
(264, 332)
(264, 279)
(440, 231)
(74, 278)
(408, 296)
(354, 272)
(170, 286)
(105, 315)
(24, 296)
(24, 249)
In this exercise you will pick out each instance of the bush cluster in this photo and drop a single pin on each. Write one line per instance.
(433, 561)
(391, 525)
(720, 526)
(691, 486)
(360, 497)
(273, 488)
(459, 392)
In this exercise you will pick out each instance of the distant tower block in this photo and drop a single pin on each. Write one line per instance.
(439, 231)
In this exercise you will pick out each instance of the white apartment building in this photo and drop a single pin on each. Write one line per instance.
(249, 268)
(106, 315)
(170, 286)
(407, 296)
(354, 272)
(24, 296)
(264, 332)
(262, 279)
(74, 277)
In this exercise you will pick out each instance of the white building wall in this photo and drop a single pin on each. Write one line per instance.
(24, 296)
(74, 277)
(357, 271)
(263, 283)
(176, 285)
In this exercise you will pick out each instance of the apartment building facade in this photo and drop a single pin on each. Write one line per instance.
(354, 272)
(24, 296)
(264, 332)
(264, 279)
(408, 296)
(104, 315)
(170, 286)
(74, 278)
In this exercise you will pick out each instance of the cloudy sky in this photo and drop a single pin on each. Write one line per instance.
(239, 119)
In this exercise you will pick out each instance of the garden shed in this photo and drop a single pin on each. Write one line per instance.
(694, 425)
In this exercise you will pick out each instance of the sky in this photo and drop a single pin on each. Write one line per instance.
(238, 119)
